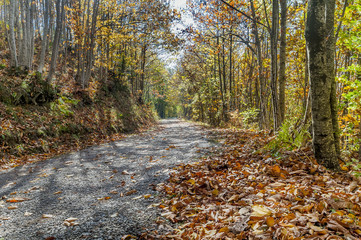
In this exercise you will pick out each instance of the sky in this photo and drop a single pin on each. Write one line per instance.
(171, 58)
(181, 5)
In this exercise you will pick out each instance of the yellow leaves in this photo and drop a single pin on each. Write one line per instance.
(191, 181)
(270, 222)
(260, 211)
(215, 192)
(224, 229)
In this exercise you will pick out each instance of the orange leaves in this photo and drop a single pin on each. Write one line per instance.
(17, 199)
(276, 171)
(238, 194)
(270, 221)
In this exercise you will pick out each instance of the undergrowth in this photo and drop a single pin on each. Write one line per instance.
(289, 137)
(31, 130)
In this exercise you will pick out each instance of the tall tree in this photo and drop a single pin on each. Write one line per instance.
(320, 47)
(60, 16)
(282, 72)
(44, 43)
(274, 61)
(12, 42)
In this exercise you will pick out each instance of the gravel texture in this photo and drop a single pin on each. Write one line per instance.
(107, 189)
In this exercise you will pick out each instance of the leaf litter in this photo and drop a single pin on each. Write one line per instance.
(242, 192)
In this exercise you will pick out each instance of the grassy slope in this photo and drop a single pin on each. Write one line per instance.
(30, 132)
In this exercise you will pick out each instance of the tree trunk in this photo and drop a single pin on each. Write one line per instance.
(282, 74)
(90, 51)
(274, 65)
(262, 93)
(60, 14)
(142, 75)
(320, 46)
(12, 43)
(359, 78)
(44, 43)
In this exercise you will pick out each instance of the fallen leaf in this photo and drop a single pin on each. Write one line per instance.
(224, 229)
(12, 207)
(128, 237)
(47, 216)
(215, 192)
(147, 196)
(191, 181)
(130, 192)
(71, 219)
(17, 199)
(270, 221)
(26, 214)
(260, 211)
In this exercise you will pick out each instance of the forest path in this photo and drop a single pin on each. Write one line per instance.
(89, 184)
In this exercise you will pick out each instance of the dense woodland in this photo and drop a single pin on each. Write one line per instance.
(240, 63)
(246, 63)
(74, 68)
(279, 81)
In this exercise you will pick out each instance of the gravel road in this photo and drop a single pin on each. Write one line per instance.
(103, 192)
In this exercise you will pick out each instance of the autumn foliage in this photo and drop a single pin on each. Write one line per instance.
(242, 193)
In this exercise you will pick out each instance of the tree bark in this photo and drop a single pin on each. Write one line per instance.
(44, 43)
(262, 93)
(282, 73)
(60, 14)
(274, 65)
(320, 46)
(12, 43)
(90, 51)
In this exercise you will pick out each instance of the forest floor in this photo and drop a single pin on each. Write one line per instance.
(102, 192)
(180, 181)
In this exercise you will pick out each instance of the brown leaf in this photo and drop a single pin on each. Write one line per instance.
(332, 224)
(130, 192)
